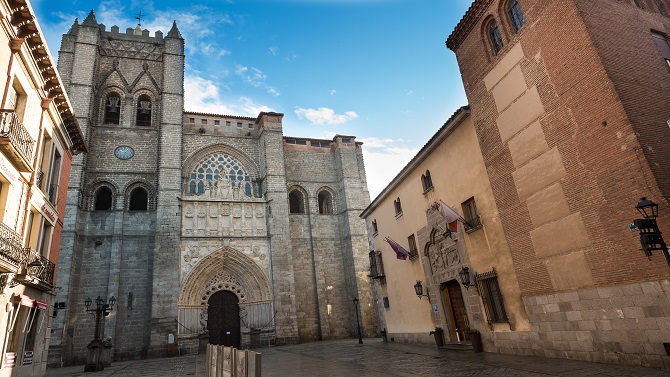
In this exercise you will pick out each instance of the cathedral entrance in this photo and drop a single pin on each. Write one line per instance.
(223, 319)
(458, 316)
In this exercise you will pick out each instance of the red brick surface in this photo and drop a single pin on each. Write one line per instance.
(604, 86)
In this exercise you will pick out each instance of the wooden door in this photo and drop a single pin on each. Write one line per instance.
(458, 316)
(223, 319)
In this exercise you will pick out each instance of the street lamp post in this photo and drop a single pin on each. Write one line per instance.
(94, 361)
(358, 322)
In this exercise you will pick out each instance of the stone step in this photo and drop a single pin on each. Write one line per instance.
(458, 346)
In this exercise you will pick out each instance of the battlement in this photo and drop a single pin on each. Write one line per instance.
(131, 34)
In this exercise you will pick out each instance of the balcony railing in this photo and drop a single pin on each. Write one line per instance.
(15, 140)
(39, 177)
(472, 224)
(40, 271)
(12, 253)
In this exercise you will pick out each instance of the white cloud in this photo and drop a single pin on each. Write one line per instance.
(383, 164)
(273, 51)
(256, 78)
(202, 95)
(324, 115)
(332, 92)
(409, 93)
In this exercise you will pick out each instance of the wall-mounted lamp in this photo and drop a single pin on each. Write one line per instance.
(647, 208)
(98, 242)
(651, 237)
(464, 275)
(418, 289)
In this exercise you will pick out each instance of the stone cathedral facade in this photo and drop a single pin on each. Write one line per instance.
(203, 227)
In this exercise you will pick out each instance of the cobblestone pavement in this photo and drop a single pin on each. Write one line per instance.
(373, 358)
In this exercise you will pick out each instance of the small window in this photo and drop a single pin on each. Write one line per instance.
(495, 38)
(103, 199)
(296, 202)
(662, 44)
(515, 14)
(471, 215)
(301, 142)
(227, 123)
(239, 124)
(143, 111)
(492, 298)
(413, 253)
(325, 203)
(112, 109)
(346, 140)
(374, 228)
(191, 120)
(398, 207)
(251, 125)
(290, 141)
(203, 121)
(376, 265)
(217, 122)
(385, 300)
(138, 200)
(426, 181)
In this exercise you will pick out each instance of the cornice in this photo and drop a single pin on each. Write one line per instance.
(467, 23)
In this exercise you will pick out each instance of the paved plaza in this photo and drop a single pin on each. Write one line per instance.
(373, 358)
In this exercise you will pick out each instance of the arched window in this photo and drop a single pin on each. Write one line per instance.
(426, 181)
(139, 200)
(494, 37)
(103, 199)
(222, 175)
(515, 15)
(143, 117)
(296, 202)
(112, 108)
(325, 202)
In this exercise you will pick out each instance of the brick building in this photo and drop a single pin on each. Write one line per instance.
(200, 225)
(38, 138)
(571, 105)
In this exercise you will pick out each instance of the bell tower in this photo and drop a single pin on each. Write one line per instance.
(122, 223)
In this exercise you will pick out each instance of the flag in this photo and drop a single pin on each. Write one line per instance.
(400, 252)
(449, 215)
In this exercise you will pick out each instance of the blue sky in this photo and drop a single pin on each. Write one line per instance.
(375, 69)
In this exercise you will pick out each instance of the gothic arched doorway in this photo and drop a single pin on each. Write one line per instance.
(456, 312)
(223, 319)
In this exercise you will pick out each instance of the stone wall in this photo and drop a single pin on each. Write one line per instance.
(625, 324)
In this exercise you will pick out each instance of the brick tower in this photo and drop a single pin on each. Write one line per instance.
(570, 101)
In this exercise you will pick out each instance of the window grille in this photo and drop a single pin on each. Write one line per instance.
(494, 305)
(375, 230)
(398, 207)
(471, 215)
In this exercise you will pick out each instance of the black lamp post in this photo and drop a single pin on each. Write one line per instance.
(94, 361)
(358, 322)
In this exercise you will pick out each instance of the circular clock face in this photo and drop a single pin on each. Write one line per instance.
(124, 152)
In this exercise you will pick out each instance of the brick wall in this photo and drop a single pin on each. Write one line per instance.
(589, 84)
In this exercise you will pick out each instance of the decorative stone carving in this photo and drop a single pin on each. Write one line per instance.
(214, 218)
(127, 49)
